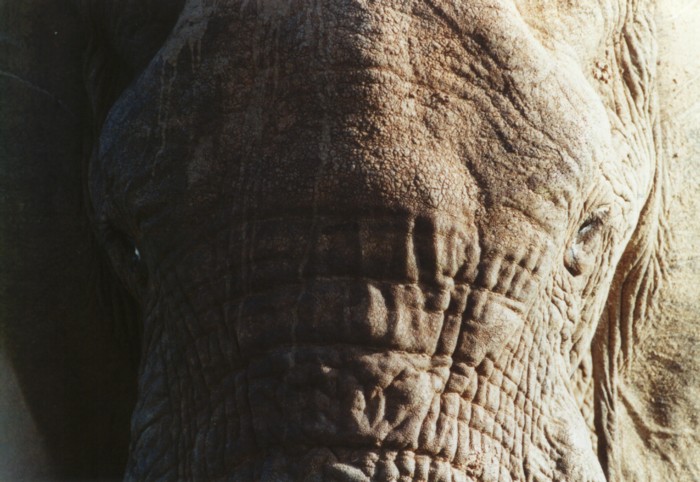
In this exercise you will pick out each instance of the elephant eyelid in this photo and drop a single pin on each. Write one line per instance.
(588, 226)
(113, 236)
(594, 220)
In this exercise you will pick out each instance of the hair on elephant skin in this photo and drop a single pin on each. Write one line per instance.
(349, 240)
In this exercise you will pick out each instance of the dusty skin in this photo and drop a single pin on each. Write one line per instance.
(349, 240)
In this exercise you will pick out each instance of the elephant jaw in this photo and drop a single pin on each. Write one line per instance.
(405, 353)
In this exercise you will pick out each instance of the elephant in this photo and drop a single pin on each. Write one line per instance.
(350, 240)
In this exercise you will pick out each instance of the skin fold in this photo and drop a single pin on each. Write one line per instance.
(353, 240)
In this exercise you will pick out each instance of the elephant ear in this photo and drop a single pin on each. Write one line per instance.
(68, 368)
(647, 350)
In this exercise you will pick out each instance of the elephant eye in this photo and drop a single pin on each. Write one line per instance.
(589, 226)
(130, 246)
(125, 256)
(581, 254)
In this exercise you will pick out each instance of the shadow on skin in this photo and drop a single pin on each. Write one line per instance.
(22, 454)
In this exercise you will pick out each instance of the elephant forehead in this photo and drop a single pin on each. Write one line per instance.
(351, 104)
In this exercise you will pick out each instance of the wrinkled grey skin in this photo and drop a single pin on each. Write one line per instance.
(351, 240)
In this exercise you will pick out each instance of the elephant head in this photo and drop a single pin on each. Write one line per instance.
(407, 240)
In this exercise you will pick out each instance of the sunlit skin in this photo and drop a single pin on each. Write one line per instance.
(348, 240)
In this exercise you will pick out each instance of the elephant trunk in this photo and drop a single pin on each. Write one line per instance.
(333, 348)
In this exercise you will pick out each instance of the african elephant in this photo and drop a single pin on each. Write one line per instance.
(352, 240)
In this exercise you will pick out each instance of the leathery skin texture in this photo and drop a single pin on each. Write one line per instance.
(373, 240)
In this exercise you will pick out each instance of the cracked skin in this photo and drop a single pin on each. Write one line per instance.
(410, 240)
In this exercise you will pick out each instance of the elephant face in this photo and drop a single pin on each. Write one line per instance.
(373, 241)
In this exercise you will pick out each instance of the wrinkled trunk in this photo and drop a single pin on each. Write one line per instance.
(343, 349)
